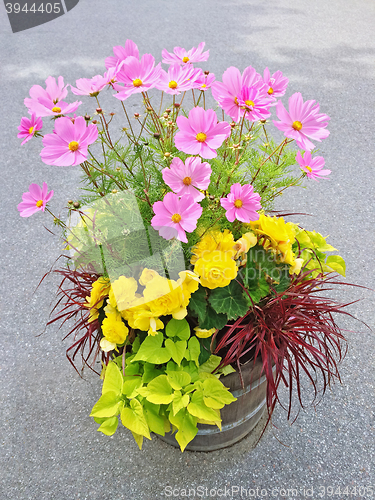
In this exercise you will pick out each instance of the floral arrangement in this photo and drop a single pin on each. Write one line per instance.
(178, 271)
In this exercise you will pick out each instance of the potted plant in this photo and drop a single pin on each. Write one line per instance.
(178, 275)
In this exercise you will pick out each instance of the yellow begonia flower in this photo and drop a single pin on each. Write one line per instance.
(296, 267)
(146, 276)
(214, 240)
(114, 330)
(243, 245)
(281, 236)
(202, 333)
(142, 318)
(100, 290)
(216, 268)
(122, 293)
(107, 346)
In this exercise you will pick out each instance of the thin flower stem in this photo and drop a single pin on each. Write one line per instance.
(60, 222)
(192, 91)
(127, 117)
(104, 172)
(87, 172)
(281, 190)
(211, 225)
(155, 118)
(263, 162)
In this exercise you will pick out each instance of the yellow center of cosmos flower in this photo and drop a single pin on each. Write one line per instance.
(172, 84)
(73, 145)
(201, 137)
(137, 82)
(56, 109)
(31, 129)
(249, 103)
(204, 85)
(176, 218)
(187, 181)
(238, 203)
(308, 168)
(297, 125)
(236, 101)
(39, 203)
(270, 91)
(185, 59)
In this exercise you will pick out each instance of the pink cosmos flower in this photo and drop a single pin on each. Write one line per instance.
(187, 178)
(204, 81)
(312, 166)
(122, 53)
(174, 215)
(68, 143)
(46, 107)
(34, 200)
(178, 79)
(241, 203)
(28, 127)
(137, 76)
(90, 86)
(277, 83)
(254, 103)
(228, 91)
(302, 121)
(182, 56)
(54, 91)
(48, 101)
(201, 134)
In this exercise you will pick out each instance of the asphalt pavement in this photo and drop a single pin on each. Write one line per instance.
(50, 449)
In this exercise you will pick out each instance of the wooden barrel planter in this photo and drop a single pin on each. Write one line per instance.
(239, 418)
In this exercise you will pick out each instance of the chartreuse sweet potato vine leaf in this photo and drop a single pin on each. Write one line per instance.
(186, 425)
(134, 419)
(157, 386)
(151, 350)
(230, 300)
(177, 349)
(313, 247)
(178, 328)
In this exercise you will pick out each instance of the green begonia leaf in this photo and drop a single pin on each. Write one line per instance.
(336, 263)
(178, 328)
(205, 353)
(193, 350)
(178, 380)
(134, 419)
(186, 425)
(230, 300)
(151, 350)
(159, 390)
(179, 401)
(176, 349)
(109, 426)
(198, 304)
(213, 319)
(108, 405)
(199, 409)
